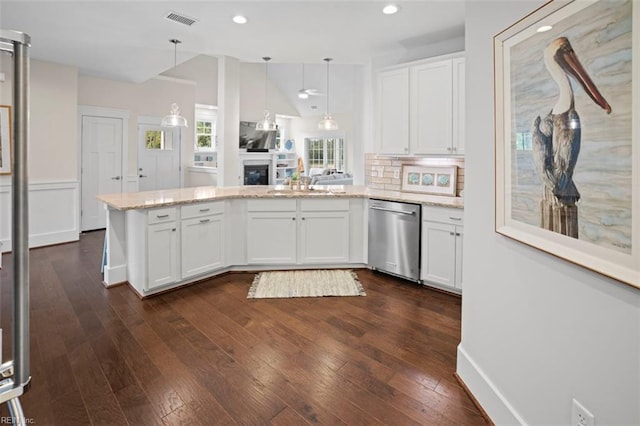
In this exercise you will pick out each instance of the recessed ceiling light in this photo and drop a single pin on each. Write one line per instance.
(390, 9)
(239, 19)
(544, 28)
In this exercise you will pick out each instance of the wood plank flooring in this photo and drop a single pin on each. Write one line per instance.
(207, 355)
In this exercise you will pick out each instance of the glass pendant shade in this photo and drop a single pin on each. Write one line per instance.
(327, 123)
(174, 119)
(267, 123)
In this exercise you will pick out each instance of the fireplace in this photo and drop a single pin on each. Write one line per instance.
(257, 172)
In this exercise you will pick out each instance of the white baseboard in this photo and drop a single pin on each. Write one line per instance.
(484, 390)
(114, 275)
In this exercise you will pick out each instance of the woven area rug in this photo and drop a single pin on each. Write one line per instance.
(314, 283)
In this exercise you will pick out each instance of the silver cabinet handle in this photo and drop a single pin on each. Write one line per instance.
(205, 220)
(458, 234)
(162, 216)
(455, 218)
(293, 218)
(303, 218)
(451, 233)
(116, 178)
(173, 229)
(392, 211)
(142, 176)
(204, 210)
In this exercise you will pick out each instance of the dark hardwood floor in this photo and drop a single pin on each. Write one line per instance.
(206, 355)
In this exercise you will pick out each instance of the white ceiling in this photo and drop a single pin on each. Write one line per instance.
(128, 40)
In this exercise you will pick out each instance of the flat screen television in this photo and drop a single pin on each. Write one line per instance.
(250, 138)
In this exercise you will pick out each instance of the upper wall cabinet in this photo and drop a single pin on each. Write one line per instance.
(393, 111)
(420, 108)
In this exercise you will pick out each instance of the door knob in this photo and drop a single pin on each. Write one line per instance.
(142, 176)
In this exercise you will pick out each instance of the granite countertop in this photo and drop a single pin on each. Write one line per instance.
(169, 197)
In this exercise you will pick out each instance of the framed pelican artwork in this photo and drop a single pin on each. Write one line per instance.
(567, 127)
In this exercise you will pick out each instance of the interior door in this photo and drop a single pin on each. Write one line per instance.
(101, 171)
(158, 157)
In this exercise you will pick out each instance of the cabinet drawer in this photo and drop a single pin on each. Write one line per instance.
(202, 209)
(323, 204)
(261, 205)
(161, 215)
(443, 214)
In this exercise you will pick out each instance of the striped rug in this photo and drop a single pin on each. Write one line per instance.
(313, 283)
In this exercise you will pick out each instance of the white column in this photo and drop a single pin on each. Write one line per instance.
(115, 271)
(228, 121)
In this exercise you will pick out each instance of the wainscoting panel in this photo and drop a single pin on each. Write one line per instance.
(53, 213)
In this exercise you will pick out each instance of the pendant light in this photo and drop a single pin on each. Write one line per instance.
(267, 123)
(174, 119)
(327, 123)
(302, 93)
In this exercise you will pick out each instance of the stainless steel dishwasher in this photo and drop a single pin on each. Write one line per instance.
(394, 238)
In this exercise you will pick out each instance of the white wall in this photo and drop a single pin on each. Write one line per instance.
(252, 94)
(52, 155)
(203, 71)
(537, 331)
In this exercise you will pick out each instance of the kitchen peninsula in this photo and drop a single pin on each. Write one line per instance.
(159, 240)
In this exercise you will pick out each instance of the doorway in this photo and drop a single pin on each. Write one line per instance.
(159, 155)
(103, 136)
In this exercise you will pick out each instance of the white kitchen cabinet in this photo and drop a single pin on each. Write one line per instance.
(323, 233)
(420, 108)
(306, 231)
(271, 231)
(431, 108)
(202, 238)
(442, 233)
(393, 111)
(162, 249)
(459, 118)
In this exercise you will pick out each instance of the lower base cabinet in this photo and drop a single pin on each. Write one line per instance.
(304, 231)
(162, 256)
(442, 234)
(201, 242)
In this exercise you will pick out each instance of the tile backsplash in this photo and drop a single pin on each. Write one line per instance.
(385, 171)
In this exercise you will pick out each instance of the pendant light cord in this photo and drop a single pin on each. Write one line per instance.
(266, 82)
(327, 60)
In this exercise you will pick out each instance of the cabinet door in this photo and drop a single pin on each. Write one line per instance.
(202, 245)
(324, 237)
(458, 106)
(162, 255)
(393, 111)
(459, 236)
(438, 253)
(431, 108)
(271, 238)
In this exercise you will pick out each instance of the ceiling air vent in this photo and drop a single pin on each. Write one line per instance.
(182, 19)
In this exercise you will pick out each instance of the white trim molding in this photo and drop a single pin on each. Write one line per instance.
(53, 213)
(487, 394)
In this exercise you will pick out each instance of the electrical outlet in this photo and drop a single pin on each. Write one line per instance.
(396, 174)
(580, 416)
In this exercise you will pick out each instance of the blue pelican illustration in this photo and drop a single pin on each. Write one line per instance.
(556, 137)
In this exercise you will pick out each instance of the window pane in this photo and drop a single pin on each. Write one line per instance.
(153, 139)
(204, 141)
(331, 153)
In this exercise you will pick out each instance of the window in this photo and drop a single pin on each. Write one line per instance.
(204, 135)
(327, 153)
(206, 119)
(157, 139)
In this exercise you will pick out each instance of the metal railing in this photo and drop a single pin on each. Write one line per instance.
(15, 374)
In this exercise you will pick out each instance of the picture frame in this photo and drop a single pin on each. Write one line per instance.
(567, 159)
(6, 141)
(430, 180)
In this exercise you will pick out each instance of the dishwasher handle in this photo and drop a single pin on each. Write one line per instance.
(392, 211)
